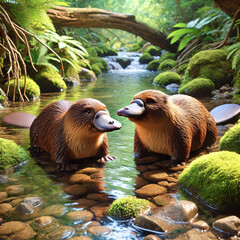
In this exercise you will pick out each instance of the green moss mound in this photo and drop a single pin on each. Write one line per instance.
(145, 58)
(127, 207)
(166, 78)
(167, 64)
(135, 47)
(102, 63)
(11, 154)
(153, 50)
(2, 96)
(211, 64)
(197, 87)
(49, 80)
(96, 69)
(215, 179)
(153, 65)
(181, 69)
(230, 141)
(32, 89)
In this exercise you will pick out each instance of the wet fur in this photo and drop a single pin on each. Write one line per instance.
(173, 125)
(66, 132)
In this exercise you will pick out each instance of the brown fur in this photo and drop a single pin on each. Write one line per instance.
(173, 125)
(65, 130)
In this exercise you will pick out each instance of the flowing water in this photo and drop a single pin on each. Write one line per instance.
(116, 89)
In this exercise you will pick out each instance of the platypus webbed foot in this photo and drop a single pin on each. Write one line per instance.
(107, 158)
(66, 167)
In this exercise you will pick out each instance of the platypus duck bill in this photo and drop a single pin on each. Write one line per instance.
(103, 122)
(134, 110)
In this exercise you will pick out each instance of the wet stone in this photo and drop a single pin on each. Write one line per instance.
(33, 201)
(150, 190)
(82, 216)
(11, 227)
(155, 176)
(24, 209)
(43, 221)
(15, 202)
(3, 196)
(89, 170)
(100, 210)
(62, 232)
(56, 210)
(80, 238)
(201, 225)
(163, 183)
(196, 235)
(140, 182)
(151, 237)
(26, 233)
(99, 197)
(230, 225)
(14, 190)
(97, 231)
(85, 203)
(79, 178)
(76, 189)
(162, 200)
(4, 208)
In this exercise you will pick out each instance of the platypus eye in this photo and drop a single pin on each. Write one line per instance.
(150, 100)
(87, 110)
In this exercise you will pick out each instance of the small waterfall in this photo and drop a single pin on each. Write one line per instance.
(114, 62)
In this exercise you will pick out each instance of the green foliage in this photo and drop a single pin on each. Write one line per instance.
(127, 207)
(234, 54)
(215, 179)
(230, 141)
(11, 154)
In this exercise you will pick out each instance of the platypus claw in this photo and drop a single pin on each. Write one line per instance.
(107, 158)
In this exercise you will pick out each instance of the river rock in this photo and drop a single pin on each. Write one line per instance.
(81, 216)
(44, 220)
(201, 225)
(76, 190)
(98, 231)
(181, 211)
(85, 203)
(55, 210)
(62, 232)
(155, 176)
(100, 197)
(4, 208)
(100, 210)
(24, 209)
(164, 199)
(124, 62)
(151, 237)
(80, 238)
(24, 234)
(196, 235)
(150, 190)
(230, 225)
(14, 190)
(3, 196)
(79, 178)
(11, 227)
(173, 88)
(33, 201)
(88, 170)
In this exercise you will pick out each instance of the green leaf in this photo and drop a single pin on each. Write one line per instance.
(181, 32)
(180, 25)
(184, 42)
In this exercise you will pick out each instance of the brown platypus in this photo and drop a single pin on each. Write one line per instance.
(173, 125)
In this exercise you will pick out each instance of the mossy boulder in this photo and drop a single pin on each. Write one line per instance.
(92, 52)
(166, 78)
(215, 179)
(181, 69)
(32, 89)
(96, 69)
(153, 65)
(102, 63)
(211, 64)
(128, 207)
(124, 62)
(104, 51)
(87, 75)
(145, 58)
(198, 87)
(230, 141)
(49, 80)
(135, 47)
(11, 154)
(168, 55)
(71, 76)
(153, 50)
(167, 65)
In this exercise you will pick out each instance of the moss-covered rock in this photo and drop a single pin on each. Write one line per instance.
(168, 55)
(102, 63)
(71, 76)
(167, 64)
(145, 58)
(96, 69)
(230, 141)
(197, 87)
(124, 62)
(104, 51)
(11, 154)
(86, 75)
(153, 65)
(92, 52)
(211, 64)
(215, 179)
(153, 50)
(181, 69)
(135, 47)
(32, 89)
(166, 78)
(49, 80)
(128, 207)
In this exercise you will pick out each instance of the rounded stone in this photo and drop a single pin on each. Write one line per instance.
(201, 225)
(14, 190)
(79, 178)
(3, 196)
(151, 237)
(82, 216)
(4, 208)
(56, 210)
(62, 232)
(11, 227)
(155, 175)
(97, 231)
(150, 190)
(43, 221)
(24, 209)
(76, 189)
(26, 233)
(81, 238)
(33, 201)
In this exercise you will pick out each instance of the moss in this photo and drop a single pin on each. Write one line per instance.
(2, 96)
(153, 65)
(153, 50)
(135, 47)
(197, 87)
(11, 154)
(49, 80)
(32, 89)
(96, 69)
(102, 63)
(236, 79)
(181, 69)
(166, 78)
(127, 207)
(145, 58)
(105, 51)
(211, 64)
(215, 179)
(124, 62)
(92, 52)
(168, 55)
(230, 141)
(167, 64)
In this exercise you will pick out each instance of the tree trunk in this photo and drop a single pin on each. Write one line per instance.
(98, 18)
(230, 7)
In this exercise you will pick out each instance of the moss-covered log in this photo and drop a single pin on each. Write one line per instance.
(99, 18)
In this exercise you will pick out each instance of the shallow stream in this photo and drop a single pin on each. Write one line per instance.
(116, 179)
